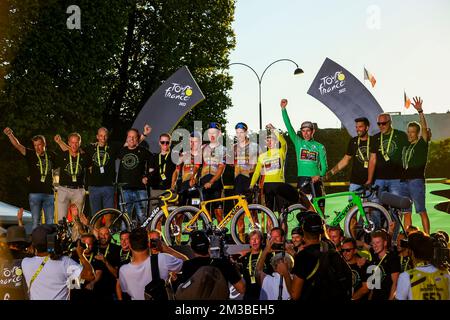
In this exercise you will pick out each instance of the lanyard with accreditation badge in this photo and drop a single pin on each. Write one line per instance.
(101, 164)
(74, 174)
(386, 153)
(366, 160)
(162, 170)
(41, 169)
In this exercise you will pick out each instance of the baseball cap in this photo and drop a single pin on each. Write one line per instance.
(199, 241)
(310, 222)
(307, 124)
(16, 234)
(214, 125)
(364, 254)
(297, 230)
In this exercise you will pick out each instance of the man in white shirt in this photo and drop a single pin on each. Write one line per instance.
(49, 277)
(282, 264)
(134, 276)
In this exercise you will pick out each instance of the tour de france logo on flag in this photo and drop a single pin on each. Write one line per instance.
(333, 82)
(174, 98)
(347, 97)
(179, 92)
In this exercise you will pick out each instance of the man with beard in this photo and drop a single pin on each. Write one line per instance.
(359, 150)
(108, 255)
(348, 251)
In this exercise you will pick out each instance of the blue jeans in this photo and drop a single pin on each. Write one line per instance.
(393, 186)
(39, 201)
(140, 206)
(101, 198)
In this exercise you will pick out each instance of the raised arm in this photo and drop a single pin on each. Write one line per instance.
(61, 143)
(417, 104)
(16, 144)
(287, 121)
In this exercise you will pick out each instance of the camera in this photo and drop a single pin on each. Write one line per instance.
(277, 246)
(154, 243)
(441, 252)
(404, 243)
(217, 243)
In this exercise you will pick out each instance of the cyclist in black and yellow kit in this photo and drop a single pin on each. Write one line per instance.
(271, 166)
(188, 166)
(214, 159)
(245, 158)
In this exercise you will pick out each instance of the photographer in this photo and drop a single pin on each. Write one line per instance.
(48, 276)
(200, 245)
(272, 285)
(425, 281)
(85, 293)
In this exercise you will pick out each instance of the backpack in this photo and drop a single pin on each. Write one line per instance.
(207, 283)
(155, 289)
(332, 277)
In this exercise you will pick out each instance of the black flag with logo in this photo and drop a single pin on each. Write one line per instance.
(168, 105)
(345, 95)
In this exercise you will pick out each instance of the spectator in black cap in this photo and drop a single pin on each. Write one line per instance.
(49, 278)
(297, 241)
(12, 282)
(306, 260)
(200, 245)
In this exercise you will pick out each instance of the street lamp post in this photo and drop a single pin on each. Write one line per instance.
(297, 71)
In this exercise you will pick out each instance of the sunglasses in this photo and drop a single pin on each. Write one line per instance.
(347, 250)
(383, 123)
(164, 142)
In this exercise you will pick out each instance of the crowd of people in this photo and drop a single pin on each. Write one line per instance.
(317, 262)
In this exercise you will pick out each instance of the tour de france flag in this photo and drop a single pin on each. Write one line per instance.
(345, 96)
(168, 105)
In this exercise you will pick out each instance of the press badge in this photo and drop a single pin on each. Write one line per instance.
(102, 170)
(386, 157)
(42, 178)
(366, 164)
(74, 178)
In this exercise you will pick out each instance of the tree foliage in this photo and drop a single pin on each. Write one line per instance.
(60, 80)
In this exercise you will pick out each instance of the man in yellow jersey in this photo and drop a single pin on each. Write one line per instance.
(425, 281)
(271, 165)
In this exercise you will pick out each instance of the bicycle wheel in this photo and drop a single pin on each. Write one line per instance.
(175, 227)
(377, 216)
(113, 219)
(263, 218)
(291, 215)
(160, 218)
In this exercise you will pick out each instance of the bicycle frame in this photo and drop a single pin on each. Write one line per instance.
(356, 201)
(241, 203)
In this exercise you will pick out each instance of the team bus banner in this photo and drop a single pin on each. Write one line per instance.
(168, 105)
(345, 95)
